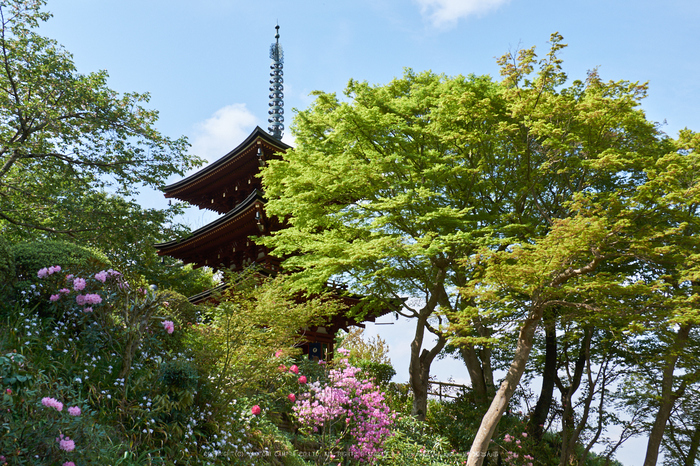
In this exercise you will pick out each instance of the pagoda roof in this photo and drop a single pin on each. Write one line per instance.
(210, 233)
(220, 171)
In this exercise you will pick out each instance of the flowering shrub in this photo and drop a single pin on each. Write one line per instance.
(103, 371)
(52, 403)
(514, 454)
(169, 326)
(346, 412)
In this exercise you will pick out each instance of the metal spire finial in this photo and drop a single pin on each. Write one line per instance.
(276, 111)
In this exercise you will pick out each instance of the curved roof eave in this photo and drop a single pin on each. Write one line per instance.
(258, 132)
(251, 200)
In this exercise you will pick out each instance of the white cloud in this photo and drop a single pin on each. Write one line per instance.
(222, 132)
(446, 13)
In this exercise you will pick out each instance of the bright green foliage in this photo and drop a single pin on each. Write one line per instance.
(414, 443)
(532, 196)
(366, 184)
(373, 349)
(382, 193)
(371, 355)
(67, 140)
(249, 326)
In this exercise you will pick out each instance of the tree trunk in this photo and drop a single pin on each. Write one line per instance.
(476, 374)
(693, 450)
(490, 420)
(568, 431)
(668, 398)
(419, 367)
(549, 373)
(478, 364)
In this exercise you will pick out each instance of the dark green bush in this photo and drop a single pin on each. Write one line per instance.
(178, 374)
(29, 257)
(181, 309)
(7, 265)
(380, 373)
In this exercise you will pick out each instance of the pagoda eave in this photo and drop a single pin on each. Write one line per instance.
(225, 242)
(211, 187)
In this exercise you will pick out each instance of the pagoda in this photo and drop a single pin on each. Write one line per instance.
(229, 186)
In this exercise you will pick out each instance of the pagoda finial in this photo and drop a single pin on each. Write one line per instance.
(276, 111)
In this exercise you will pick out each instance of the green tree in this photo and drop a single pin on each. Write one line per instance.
(581, 151)
(537, 200)
(71, 147)
(381, 193)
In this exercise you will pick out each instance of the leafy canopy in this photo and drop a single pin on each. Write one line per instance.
(66, 138)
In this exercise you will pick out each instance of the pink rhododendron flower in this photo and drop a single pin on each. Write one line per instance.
(294, 368)
(87, 309)
(278, 353)
(80, 299)
(42, 273)
(169, 326)
(64, 290)
(282, 368)
(255, 410)
(524, 434)
(52, 403)
(292, 397)
(93, 298)
(346, 398)
(302, 379)
(101, 276)
(69, 463)
(54, 269)
(74, 411)
(54, 298)
(65, 443)
(79, 284)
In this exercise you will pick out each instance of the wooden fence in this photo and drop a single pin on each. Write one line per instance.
(445, 389)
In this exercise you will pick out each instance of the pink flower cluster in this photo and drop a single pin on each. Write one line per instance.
(52, 403)
(65, 443)
(511, 457)
(79, 284)
(353, 404)
(90, 298)
(169, 326)
(74, 411)
(43, 273)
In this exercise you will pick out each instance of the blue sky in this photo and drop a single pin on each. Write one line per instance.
(207, 66)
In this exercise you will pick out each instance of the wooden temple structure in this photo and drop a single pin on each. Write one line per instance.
(230, 187)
